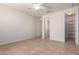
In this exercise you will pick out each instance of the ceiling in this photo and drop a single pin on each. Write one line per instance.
(44, 7)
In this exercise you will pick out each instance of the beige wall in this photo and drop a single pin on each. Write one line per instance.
(38, 27)
(57, 28)
(16, 25)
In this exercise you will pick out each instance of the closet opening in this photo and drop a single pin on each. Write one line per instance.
(70, 28)
(47, 32)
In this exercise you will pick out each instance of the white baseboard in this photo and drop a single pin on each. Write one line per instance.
(9, 42)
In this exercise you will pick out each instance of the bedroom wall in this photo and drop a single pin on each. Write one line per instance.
(16, 25)
(57, 28)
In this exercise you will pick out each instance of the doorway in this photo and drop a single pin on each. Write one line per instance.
(46, 28)
(70, 28)
(47, 34)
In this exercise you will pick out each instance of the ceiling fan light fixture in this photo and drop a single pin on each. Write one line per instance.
(37, 7)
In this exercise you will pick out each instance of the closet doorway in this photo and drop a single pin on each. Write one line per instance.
(47, 34)
(70, 28)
